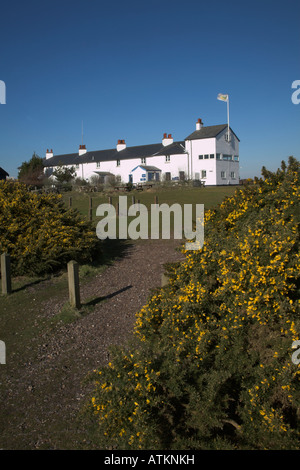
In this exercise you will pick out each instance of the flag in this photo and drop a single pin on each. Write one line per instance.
(222, 97)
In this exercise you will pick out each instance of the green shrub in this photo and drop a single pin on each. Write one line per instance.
(211, 364)
(39, 232)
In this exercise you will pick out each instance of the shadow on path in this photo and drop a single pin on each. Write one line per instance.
(109, 296)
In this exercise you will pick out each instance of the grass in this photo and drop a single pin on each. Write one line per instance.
(210, 197)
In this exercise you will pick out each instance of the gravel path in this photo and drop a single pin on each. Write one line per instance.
(45, 396)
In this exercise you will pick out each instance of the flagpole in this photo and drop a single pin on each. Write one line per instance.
(228, 116)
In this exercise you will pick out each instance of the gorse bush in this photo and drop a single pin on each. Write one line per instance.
(211, 363)
(39, 232)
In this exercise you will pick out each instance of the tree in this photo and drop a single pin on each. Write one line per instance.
(32, 172)
(64, 174)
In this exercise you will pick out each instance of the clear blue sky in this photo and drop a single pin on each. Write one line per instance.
(133, 70)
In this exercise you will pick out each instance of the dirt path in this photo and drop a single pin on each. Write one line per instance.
(44, 397)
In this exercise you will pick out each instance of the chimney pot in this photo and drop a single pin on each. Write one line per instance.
(49, 154)
(82, 150)
(199, 124)
(121, 145)
(167, 139)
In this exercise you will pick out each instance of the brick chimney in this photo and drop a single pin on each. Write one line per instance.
(121, 145)
(199, 124)
(49, 154)
(82, 150)
(167, 139)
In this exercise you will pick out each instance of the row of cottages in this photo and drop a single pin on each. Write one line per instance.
(209, 154)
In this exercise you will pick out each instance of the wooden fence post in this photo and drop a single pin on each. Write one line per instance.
(90, 209)
(156, 200)
(73, 280)
(70, 201)
(133, 199)
(5, 274)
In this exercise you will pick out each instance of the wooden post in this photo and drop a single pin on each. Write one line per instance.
(70, 201)
(138, 201)
(2, 353)
(117, 209)
(156, 200)
(109, 200)
(5, 274)
(73, 280)
(90, 209)
(133, 199)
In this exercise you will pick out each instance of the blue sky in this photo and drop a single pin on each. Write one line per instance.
(133, 70)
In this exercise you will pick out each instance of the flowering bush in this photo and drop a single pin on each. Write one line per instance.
(39, 232)
(211, 365)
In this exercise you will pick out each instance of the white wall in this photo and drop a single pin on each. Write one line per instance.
(227, 148)
(212, 166)
(202, 147)
(222, 146)
(176, 164)
(227, 167)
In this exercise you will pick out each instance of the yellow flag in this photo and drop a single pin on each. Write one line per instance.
(222, 97)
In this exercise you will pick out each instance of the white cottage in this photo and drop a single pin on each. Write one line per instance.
(209, 154)
(144, 174)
